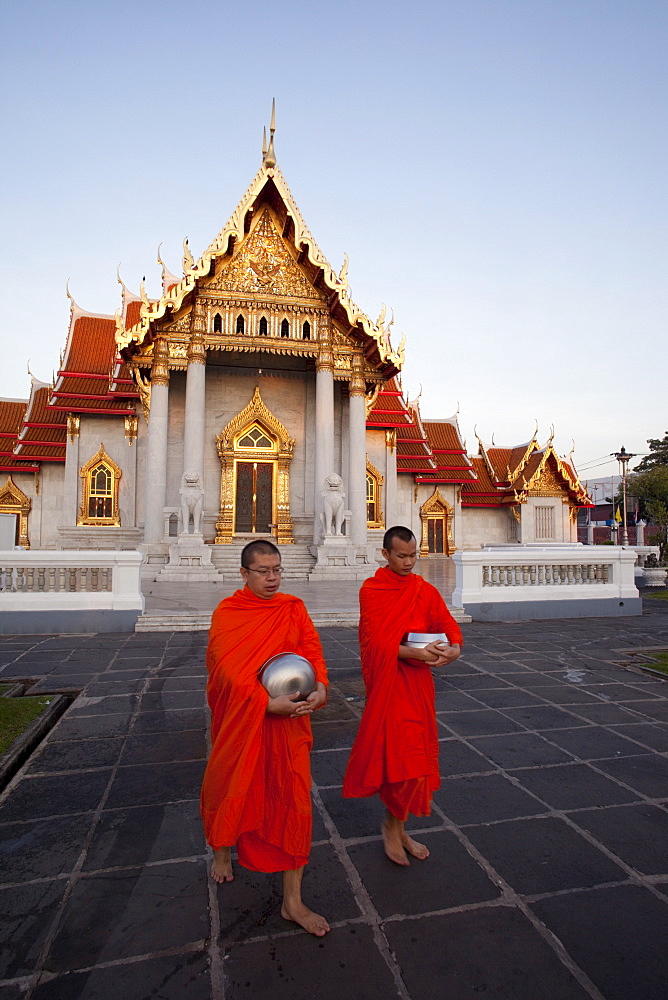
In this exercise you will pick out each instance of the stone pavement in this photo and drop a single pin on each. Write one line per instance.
(548, 875)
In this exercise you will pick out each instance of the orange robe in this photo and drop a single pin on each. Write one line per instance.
(256, 791)
(395, 753)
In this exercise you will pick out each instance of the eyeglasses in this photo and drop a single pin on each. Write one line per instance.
(265, 572)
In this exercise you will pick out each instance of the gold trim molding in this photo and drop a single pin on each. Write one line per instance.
(229, 453)
(14, 501)
(115, 519)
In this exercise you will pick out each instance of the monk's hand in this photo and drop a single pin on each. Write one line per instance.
(318, 697)
(292, 705)
(440, 653)
(451, 653)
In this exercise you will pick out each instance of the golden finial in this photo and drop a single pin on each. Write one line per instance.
(29, 372)
(264, 142)
(493, 445)
(343, 273)
(402, 349)
(457, 410)
(269, 157)
(535, 433)
(188, 260)
(69, 294)
(381, 316)
(120, 328)
(160, 260)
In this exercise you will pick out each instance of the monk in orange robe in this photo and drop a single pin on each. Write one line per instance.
(256, 792)
(395, 753)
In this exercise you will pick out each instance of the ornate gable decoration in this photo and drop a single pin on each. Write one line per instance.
(265, 266)
(12, 496)
(546, 483)
(256, 411)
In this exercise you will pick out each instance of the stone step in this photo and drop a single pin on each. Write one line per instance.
(323, 618)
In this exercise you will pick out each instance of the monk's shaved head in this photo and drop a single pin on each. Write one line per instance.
(398, 531)
(259, 548)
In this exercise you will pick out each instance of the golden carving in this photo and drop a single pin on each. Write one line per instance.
(73, 422)
(229, 451)
(160, 369)
(516, 511)
(437, 507)
(14, 501)
(179, 352)
(357, 383)
(144, 389)
(131, 429)
(100, 497)
(546, 484)
(264, 264)
(391, 441)
(370, 400)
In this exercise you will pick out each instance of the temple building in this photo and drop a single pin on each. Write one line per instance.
(254, 398)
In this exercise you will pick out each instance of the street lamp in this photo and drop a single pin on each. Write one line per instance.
(624, 457)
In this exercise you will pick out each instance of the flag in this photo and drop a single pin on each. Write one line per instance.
(618, 517)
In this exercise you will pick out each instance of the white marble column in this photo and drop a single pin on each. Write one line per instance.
(156, 448)
(71, 478)
(324, 431)
(195, 416)
(357, 456)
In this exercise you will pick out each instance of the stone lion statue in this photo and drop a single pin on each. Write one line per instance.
(192, 502)
(333, 515)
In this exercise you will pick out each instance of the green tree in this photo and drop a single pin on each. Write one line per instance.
(651, 488)
(658, 448)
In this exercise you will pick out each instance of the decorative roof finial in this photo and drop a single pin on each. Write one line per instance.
(269, 157)
(264, 142)
(188, 260)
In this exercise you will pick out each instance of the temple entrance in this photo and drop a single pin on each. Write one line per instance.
(436, 517)
(254, 497)
(255, 453)
(437, 534)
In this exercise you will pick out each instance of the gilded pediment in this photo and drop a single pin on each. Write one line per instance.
(264, 266)
(548, 483)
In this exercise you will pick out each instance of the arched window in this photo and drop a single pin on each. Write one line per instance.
(285, 328)
(306, 330)
(100, 483)
(374, 482)
(217, 323)
(240, 324)
(256, 437)
(263, 327)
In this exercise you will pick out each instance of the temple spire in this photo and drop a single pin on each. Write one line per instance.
(269, 155)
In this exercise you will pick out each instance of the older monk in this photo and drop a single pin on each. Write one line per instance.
(256, 792)
(395, 754)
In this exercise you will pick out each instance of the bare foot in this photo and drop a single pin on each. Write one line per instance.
(312, 922)
(414, 849)
(221, 869)
(394, 846)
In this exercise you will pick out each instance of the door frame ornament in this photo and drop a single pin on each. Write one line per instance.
(14, 501)
(433, 507)
(228, 452)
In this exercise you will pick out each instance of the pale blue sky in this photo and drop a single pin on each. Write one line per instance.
(495, 170)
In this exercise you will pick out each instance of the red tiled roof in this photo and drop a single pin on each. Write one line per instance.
(43, 432)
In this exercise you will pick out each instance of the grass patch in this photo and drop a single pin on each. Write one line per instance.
(660, 661)
(661, 594)
(16, 714)
(5, 687)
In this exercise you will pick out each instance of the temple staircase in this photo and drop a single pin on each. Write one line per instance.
(296, 560)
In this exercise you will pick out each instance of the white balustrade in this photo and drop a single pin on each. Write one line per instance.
(70, 580)
(537, 574)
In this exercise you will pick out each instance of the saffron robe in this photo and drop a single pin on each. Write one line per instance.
(395, 753)
(256, 791)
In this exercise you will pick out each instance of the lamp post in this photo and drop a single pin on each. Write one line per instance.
(624, 457)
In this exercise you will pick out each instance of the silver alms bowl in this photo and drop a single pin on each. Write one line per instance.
(418, 640)
(286, 673)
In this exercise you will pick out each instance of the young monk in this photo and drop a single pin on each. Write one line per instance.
(395, 754)
(256, 792)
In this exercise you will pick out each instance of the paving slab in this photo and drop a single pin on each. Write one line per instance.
(548, 873)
